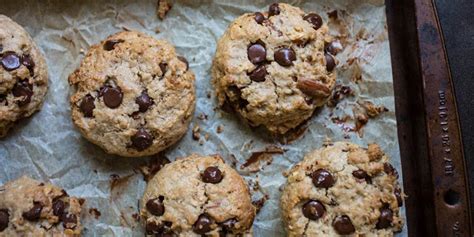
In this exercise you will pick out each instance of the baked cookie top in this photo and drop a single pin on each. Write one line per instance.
(31, 208)
(23, 74)
(272, 69)
(343, 189)
(133, 95)
(196, 196)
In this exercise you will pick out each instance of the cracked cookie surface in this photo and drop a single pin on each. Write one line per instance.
(343, 189)
(196, 196)
(134, 96)
(23, 75)
(31, 208)
(272, 67)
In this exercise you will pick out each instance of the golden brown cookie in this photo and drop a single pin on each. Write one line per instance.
(31, 208)
(196, 196)
(133, 95)
(23, 75)
(272, 68)
(343, 189)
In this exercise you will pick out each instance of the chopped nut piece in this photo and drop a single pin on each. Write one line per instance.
(312, 87)
(220, 128)
(196, 134)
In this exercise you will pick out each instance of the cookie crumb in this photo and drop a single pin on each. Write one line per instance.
(95, 212)
(260, 202)
(340, 92)
(196, 134)
(220, 128)
(202, 116)
(136, 217)
(149, 170)
(162, 8)
(372, 109)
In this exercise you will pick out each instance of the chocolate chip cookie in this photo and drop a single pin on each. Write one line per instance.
(23, 75)
(32, 208)
(272, 69)
(133, 95)
(197, 196)
(343, 189)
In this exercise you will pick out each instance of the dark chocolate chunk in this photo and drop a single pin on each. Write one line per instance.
(322, 178)
(113, 96)
(10, 61)
(274, 10)
(163, 67)
(203, 224)
(34, 213)
(343, 225)
(58, 207)
(398, 195)
(285, 56)
(259, 17)
(142, 139)
(361, 174)
(385, 219)
(87, 106)
(256, 53)
(29, 63)
(330, 62)
(313, 210)
(23, 89)
(228, 225)
(155, 206)
(258, 74)
(69, 220)
(110, 44)
(314, 19)
(212, 175)
(144, 102)
(388, 168)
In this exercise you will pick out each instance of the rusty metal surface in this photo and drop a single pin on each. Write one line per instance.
(428, 127)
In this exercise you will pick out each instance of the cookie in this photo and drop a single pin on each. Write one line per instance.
(32, 208)
(197, 196)
(272, 69)
(343, 189)
(133, 95)
(23, 75)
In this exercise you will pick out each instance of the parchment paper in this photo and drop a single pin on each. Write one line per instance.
(49, 148)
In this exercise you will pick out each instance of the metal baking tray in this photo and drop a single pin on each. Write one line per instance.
(434, 170)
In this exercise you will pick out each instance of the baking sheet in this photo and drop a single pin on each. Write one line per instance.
(49, 148)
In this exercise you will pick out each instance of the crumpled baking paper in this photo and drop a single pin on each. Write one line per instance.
(49, 148)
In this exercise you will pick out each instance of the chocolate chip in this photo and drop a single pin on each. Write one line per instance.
(3, 98)
(163, 67)
(322, 178)
(34, 213)
(256, 53)
(144, 102)
(285, 57)
(361, 174)
(142, 139)
(23, 89)
(10, 61)
(152, 228)
(388, 168)
(4, 219)
(331, 48)
(28, 62)
(69, 220)
(203, 224)
(398, 195)
(313, 210)
(161, 230)
(314, 19)
(259, 17)
(112, 96)
(228, 225)
(212, 175)
(87, 106)
(385, 219)
(184, 60)
(343, 225)
(155, 206)
(330, 62)
(258, 74)
(274, 10)
(110, 44)
(58, 207)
